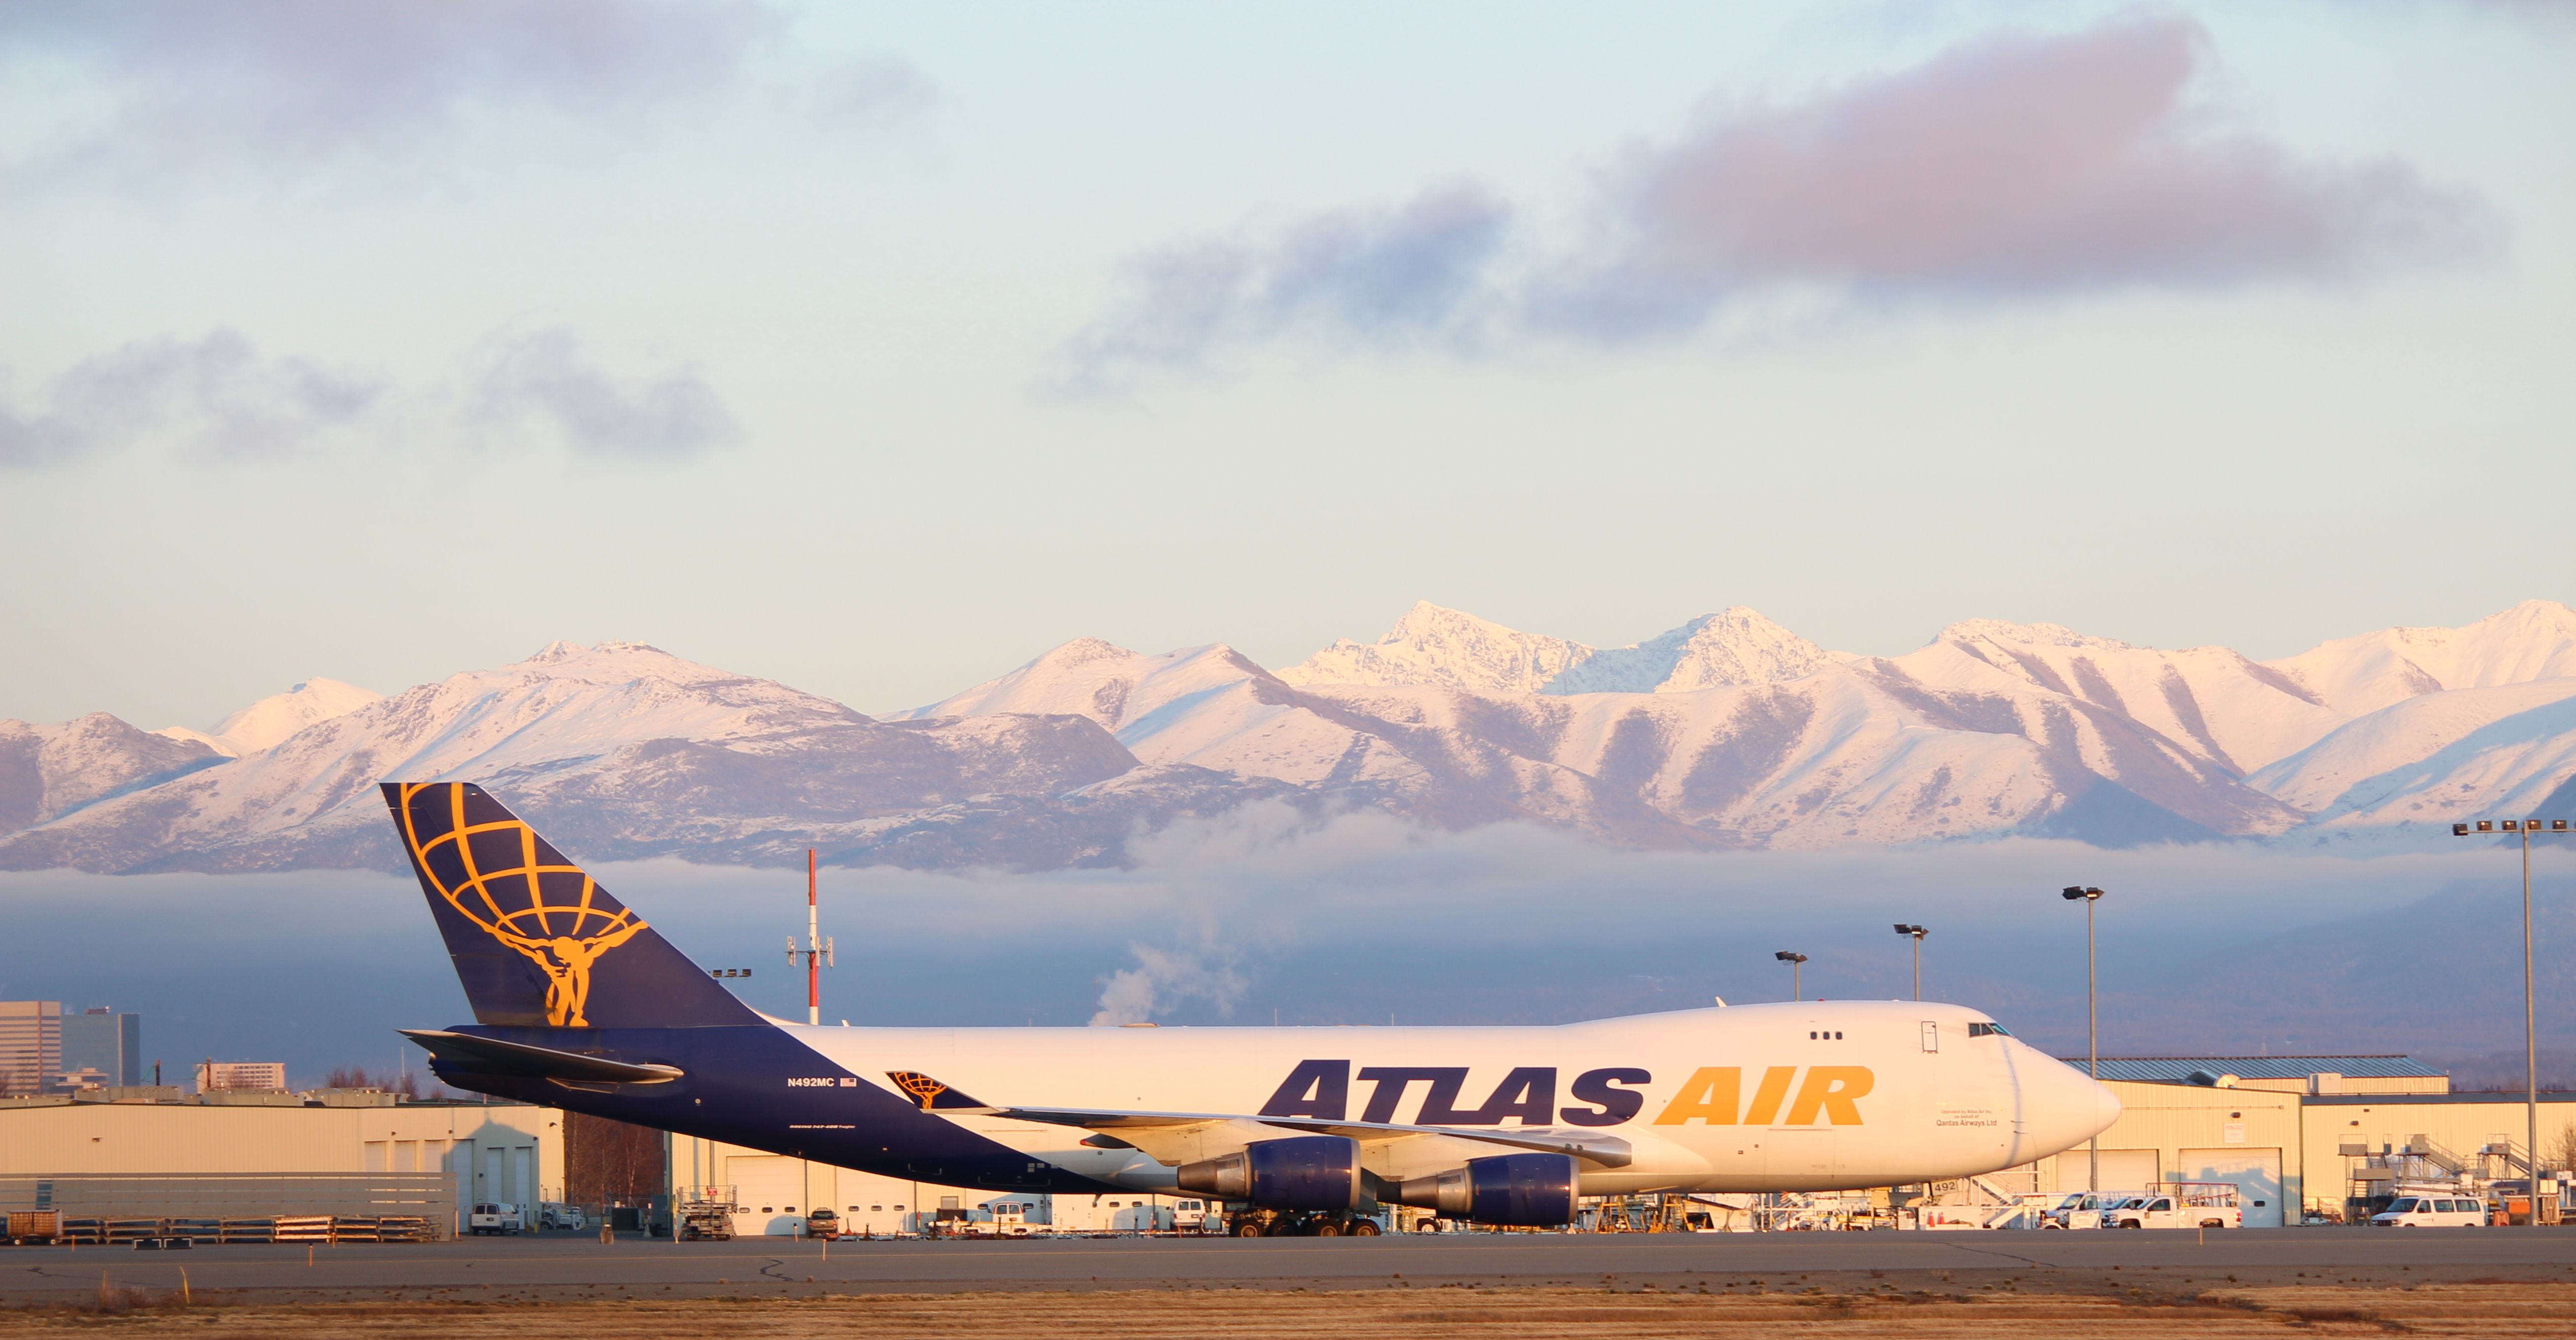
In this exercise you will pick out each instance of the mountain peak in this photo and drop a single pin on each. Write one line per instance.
(274, 718)
(2026, 634)
(1737, 645)
(560, 650)
(1080, 651)
(2533, 640)
(1438, 646)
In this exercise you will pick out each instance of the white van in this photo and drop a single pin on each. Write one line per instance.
(2453, 1211)
(495, 1220)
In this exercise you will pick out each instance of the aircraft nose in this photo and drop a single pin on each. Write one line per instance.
(2062, 1107)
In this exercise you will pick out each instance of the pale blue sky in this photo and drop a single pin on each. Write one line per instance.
(877, 349)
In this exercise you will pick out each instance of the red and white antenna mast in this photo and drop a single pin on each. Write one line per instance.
(817, 950)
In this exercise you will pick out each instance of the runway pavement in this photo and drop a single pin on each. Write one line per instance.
(559, 1267)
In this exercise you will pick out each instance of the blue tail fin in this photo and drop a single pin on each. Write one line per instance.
(536, 942)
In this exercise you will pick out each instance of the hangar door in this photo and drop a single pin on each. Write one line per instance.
(2122, 1169)
(2256, 1173)
(770, 1188)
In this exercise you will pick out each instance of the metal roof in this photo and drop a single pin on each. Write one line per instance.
(2177, 1069)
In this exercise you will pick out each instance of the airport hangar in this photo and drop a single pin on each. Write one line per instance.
(2292, 1132)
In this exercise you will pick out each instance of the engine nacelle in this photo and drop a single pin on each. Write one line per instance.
(1305, 1172)
(1525, 1190)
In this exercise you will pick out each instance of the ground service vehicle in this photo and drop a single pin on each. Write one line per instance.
(1010, 1219)
(705, 1213)
(2077, 1210)
(492, 1219)
(555, 1214)
(581, 1005)
(2424, 1211)
(2081, 1209)
(2178, 1205)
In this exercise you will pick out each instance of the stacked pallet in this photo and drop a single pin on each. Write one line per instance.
(246, 1230)
(301, 1228)
(123, 1231)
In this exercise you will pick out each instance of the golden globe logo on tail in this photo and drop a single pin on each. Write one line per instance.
(493, 875)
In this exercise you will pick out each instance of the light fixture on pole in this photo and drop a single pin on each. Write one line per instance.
(1917, 933)
(2530, 1040)
(2092, 1021)
(1793, 960)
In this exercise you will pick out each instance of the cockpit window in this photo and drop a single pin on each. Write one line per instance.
(1987, 1030)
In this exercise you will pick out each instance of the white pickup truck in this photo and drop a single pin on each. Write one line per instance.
(491, 1218)
(2081, 1209)
(2177, 1205)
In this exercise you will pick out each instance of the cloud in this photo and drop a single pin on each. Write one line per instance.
(1408, 274)
(872, 90)
(1351, 918)
(1165, 979)
(166, 87)
(546, 376)
(218, 397)
(2013, 168)
(212, 396)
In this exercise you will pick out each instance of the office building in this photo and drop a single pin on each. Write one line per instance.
(31, 1044)
(257, 1076)
(101, 1048)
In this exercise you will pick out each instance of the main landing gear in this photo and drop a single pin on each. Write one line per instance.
(1251, 1223)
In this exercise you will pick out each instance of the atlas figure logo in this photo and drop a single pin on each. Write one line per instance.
(1611, 1096)
(496, 875)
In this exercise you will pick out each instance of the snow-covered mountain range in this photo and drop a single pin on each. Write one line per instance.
(1728, 731)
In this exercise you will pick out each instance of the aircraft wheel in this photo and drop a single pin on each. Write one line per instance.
(1247, 1228)
(1328, 1228)
(1364, 1228)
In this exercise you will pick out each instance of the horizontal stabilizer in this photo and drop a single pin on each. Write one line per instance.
(491, 1056)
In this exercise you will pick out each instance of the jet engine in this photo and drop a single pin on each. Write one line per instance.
(1305, 1172)
(1528, 1190)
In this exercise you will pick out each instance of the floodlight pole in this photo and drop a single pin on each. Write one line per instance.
(1916, 933)
(2092, 1024)
(1793, 959)
(2524, 828)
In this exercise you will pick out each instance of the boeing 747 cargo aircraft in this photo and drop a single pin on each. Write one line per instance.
(579, 1004)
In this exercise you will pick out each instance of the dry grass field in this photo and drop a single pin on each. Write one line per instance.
(2491, 1311)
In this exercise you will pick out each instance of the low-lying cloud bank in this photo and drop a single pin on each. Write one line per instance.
(1266, 914)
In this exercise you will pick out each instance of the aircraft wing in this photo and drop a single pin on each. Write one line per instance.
(1156, 1132)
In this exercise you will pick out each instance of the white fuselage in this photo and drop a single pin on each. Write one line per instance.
(1750, 1098)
